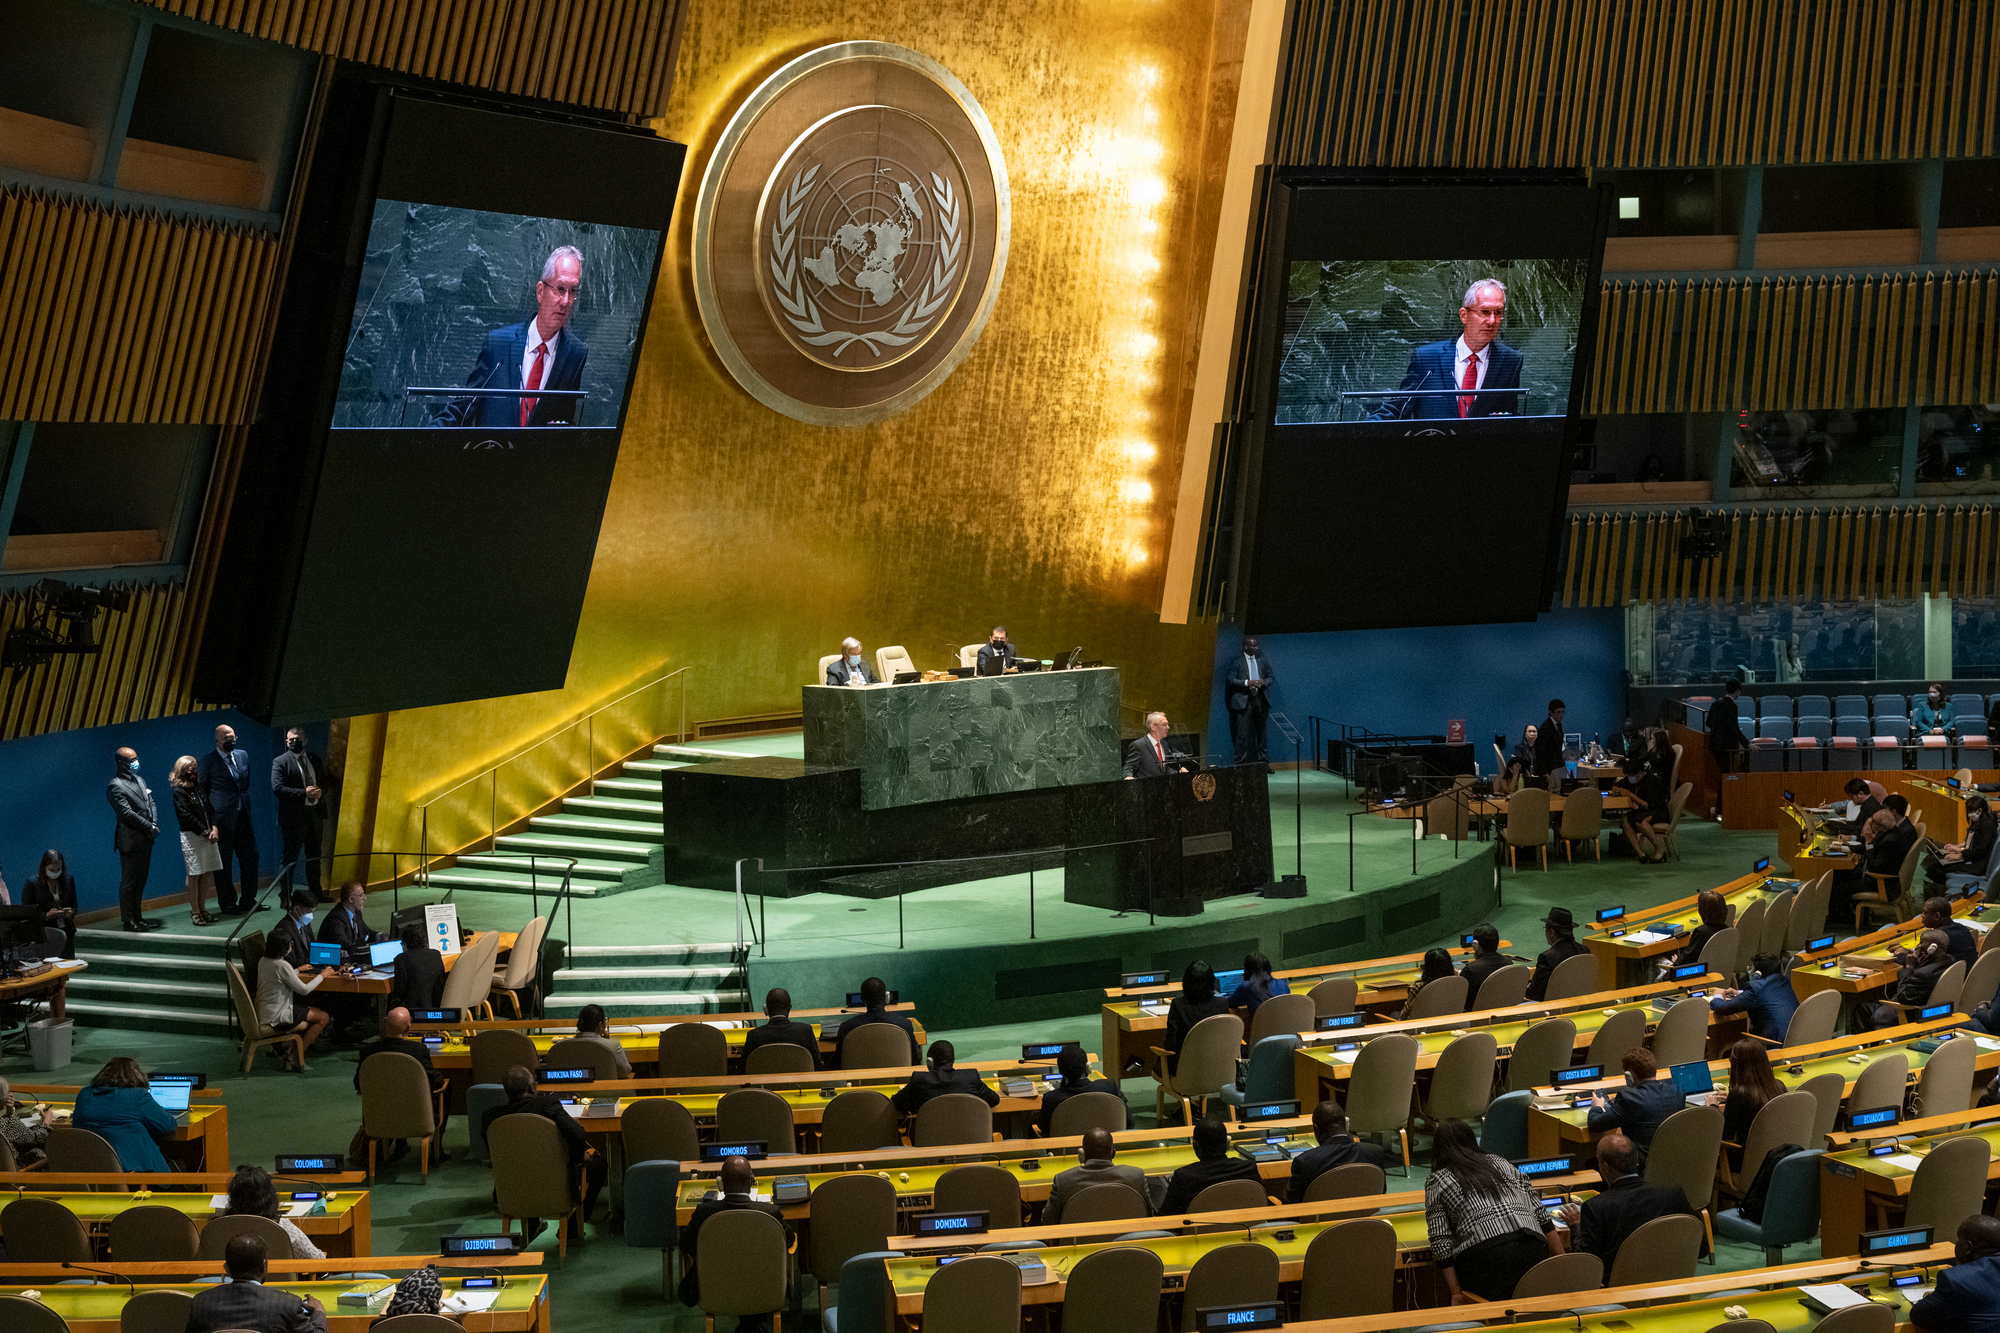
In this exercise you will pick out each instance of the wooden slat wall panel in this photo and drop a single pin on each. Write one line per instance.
(1784, 343)
(117, 315)
(1829, 553)
(1647, 83)
(136, 675)
(616, 55)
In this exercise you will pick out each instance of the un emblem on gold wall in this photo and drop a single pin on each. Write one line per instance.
(851, 233)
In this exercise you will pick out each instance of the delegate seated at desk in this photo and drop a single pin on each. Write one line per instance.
(851, 667)
(994, 654)
(1149, 757)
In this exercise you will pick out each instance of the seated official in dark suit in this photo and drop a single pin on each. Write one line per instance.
(994, 655)
(1560, 929)
(1097, 1168)
(1886, 839)
(1625, 1204)
(851, 667)
(781, 1030)
(1074, 1066)
(1485, 961)
(418, 982)
(874, 1001)
(537, 353)
(738, 1183)
(939, 1078)
(1450, 375)
(345, 926)
(1213, 1164)
(1149, 757)
(1769, 999)
(1336, 1148)
(1641, 1106)
(245, 1302)
(1967, 1296)
(396, 1038)
(522, 1099)
(296, 930)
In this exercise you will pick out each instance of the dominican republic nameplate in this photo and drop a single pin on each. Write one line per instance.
(851, 233)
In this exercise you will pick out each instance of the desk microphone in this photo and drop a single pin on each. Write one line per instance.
(105, 1272)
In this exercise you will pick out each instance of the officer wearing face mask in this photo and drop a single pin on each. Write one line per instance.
(850, 668)
(295, 780)
(137, 826)
(995, 653)
(226, 782)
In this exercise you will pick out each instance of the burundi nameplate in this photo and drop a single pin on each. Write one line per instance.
(850, 233)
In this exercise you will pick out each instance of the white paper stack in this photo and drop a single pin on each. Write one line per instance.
(468, 1302)
(1908, 1161)
(1647, 937)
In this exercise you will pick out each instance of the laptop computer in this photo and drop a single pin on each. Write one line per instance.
(385, 953)
(1694, 1080)
(323, 955)
(907, 678)
(173, 1097)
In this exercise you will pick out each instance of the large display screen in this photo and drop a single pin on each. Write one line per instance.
(424, 487)
(1417, 364)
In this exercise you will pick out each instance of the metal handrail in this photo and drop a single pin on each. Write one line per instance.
(587, 721)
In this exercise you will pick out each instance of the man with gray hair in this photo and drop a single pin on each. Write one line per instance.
(851, 667)
(1149, 757)
(540, 352)
(1463, 376)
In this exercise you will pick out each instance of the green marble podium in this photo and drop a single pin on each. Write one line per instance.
(944, 740)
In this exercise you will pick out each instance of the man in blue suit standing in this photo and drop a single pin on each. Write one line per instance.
(538, 353)
(1467, 364)
(225, 780)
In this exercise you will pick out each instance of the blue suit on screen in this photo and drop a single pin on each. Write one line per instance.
(1431, 369)
(499, 367)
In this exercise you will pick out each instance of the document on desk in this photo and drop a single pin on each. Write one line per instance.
(468, 1302)
(1908, 1161)
(1647, 937)
(1153, 1010)
(1832, 1296)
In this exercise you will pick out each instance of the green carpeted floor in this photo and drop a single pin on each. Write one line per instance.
(608, 1284)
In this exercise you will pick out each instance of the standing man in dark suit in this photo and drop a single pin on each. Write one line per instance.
(1626, 1203)
(225, 780)
(738, 1183)
(1336, 1148)
(537, 353)
(295, 780)
(940, 1077)
(1149, 757)
(994, 654)
(1451, 375)
(1549, 739)
(780, 1029)
(1726, 740)
(1249, 698)
(137, 826)
(245, 1302)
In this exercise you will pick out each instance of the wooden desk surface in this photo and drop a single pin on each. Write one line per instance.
(641, 1043)
(206, 1133)
(363, 981)
(15, 988)
(522, 1303)
(1858, 1188)
(737, 1018)
(342, 1230)
(1862, 964)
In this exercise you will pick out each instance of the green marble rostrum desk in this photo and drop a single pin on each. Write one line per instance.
(942, 740)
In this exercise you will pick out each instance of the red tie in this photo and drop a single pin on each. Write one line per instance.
(1159, 754)
(1471, 381)
(535, 381)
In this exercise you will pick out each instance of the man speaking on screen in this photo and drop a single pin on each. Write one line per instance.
(538, 353)
(1453, 372)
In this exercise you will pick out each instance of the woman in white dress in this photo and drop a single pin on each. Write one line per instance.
(198, 837)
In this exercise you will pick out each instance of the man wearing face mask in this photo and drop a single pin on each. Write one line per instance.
(995, 653)
(850, 668)
(295, 781)
(225, 780)
(137, 826)
(296, 930)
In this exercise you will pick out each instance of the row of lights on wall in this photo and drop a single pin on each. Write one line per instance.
(1136, 156)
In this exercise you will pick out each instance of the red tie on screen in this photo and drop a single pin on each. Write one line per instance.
(535, 381)
(1471, 381)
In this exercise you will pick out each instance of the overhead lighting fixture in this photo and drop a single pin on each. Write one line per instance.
(1628, 206)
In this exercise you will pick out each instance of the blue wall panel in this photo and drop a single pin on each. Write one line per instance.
(1498, 678)
(52, 795)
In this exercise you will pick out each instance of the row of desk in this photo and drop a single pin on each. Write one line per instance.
(201, 1144)
(342, 1226)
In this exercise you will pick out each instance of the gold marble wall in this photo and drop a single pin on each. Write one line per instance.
(1035, 487)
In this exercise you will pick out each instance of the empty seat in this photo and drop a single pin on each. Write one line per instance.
(1932, 751)
(1970, 709)
(1813, 738)
(1850, 703)
(1890, 705)
(1818, 730)
(1815, 705)
(1774, 728)
(1853, 725)
(1774, 705)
